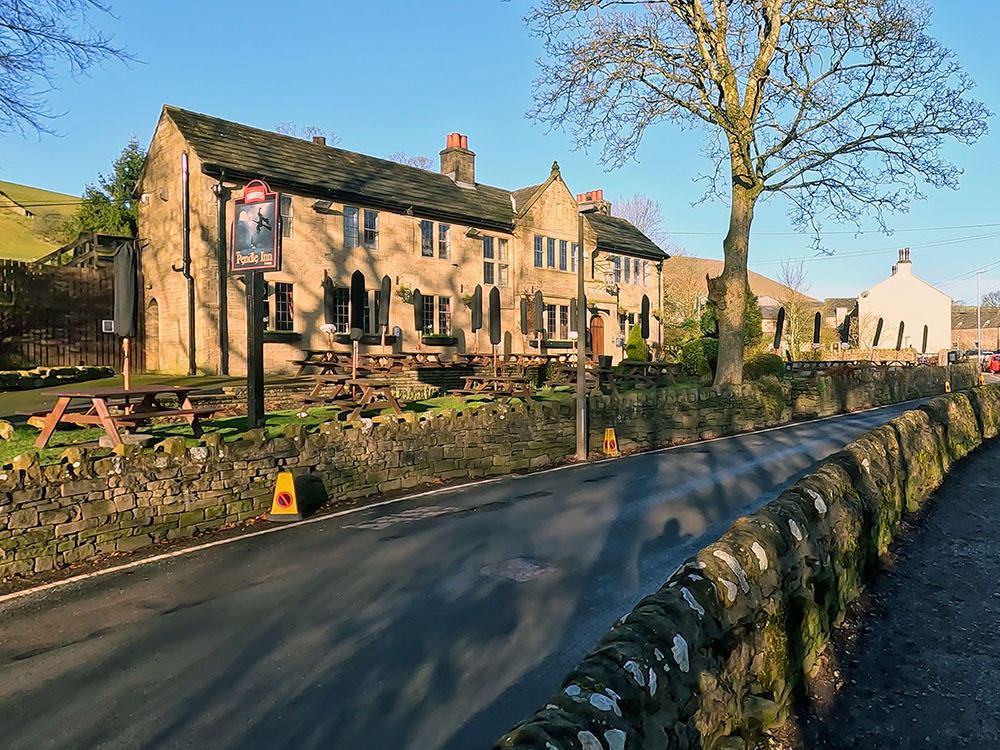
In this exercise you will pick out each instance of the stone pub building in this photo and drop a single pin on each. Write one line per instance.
(442, 233)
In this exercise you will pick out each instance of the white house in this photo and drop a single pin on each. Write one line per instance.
(904, 298)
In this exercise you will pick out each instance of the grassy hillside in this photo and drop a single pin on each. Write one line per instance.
(27, 238)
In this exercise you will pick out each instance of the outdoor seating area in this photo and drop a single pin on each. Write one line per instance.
(118, 411)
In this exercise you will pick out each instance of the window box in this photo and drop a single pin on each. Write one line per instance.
(437, 339)
(281, 337)
(368, 338)
(554, 343)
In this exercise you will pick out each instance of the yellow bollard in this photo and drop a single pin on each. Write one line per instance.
(610, 442)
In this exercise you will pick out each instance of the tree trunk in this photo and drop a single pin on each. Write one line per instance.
(728, 292)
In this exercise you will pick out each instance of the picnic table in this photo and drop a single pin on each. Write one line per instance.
(115, 409)
(384, 363)
(595, 378)
(417, 360)
(497, 386)
(353, 395)
(324, 360)
(473, 359)
(643, 374)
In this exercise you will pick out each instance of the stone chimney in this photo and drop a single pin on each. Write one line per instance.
(903, 266)
(458, 162)
(594, 198)
(319, 140)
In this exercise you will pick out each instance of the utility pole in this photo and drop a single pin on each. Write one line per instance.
(581, 344)
(979, 324)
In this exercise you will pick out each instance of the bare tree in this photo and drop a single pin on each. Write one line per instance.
(794, 279)
(39, 40)
(991, 299)
(422, 162)
(307, 133)
(645, 214)
(841, 105)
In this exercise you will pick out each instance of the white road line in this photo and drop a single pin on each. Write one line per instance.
(393, 501)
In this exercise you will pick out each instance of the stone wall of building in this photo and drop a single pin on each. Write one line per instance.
(52, 516)
(712, 659)
(315, 246)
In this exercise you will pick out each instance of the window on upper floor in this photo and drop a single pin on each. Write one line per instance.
(616, 261)
(489, 261)
(350, 227)
(284, 309)
(628, 270)
(371, 230)
(635, 270)
(563, 255)
(495, 263)
(550, 252)
(572, 257)
(285, 208)
(503, 263)
(444, 241)
(645, 273)
(427, 239)
(539, 253)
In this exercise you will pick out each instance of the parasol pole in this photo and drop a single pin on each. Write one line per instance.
(126, 363)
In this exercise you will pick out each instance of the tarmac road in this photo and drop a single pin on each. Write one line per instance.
(431, 622)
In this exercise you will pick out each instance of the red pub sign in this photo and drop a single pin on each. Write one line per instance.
(256, 241)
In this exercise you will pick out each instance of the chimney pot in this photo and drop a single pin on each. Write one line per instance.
(464, 141)
(319, 140)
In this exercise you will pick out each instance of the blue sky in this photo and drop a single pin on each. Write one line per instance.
(397, 75)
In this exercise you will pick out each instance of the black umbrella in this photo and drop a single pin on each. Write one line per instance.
(524, 315)
(878, 333)
(644, 317)
(816, 324)
(778, 327)
(495, 333)
(329, 303)
(126, 306)
(923, 349)
(477, 308)
(899, 337)
(383, 304)
(539, 311)
(358, 295)
(573, 312)
(418, 310)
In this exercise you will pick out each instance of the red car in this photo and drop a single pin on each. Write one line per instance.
(994, 365)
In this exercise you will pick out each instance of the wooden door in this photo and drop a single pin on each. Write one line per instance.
(597, 335)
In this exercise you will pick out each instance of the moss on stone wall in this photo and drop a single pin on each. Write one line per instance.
(712, 658)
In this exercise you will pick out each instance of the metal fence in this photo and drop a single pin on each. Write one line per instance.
(52, 316)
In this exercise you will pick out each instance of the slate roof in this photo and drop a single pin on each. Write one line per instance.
(323, 171)
(615, 235)
(290, 163)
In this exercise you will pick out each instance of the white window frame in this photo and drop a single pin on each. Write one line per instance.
(373, 244)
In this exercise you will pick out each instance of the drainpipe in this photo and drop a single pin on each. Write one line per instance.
(223, 261)
(185, 269)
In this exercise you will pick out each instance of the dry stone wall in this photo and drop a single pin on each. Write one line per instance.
(57, 515)
(712, 658)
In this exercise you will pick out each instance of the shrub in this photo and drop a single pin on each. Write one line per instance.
(699, 357)
(635, 347)
(760, 364)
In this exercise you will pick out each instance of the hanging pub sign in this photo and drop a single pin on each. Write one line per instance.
(256, 242)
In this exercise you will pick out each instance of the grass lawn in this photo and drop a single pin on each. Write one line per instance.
(230, 427)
